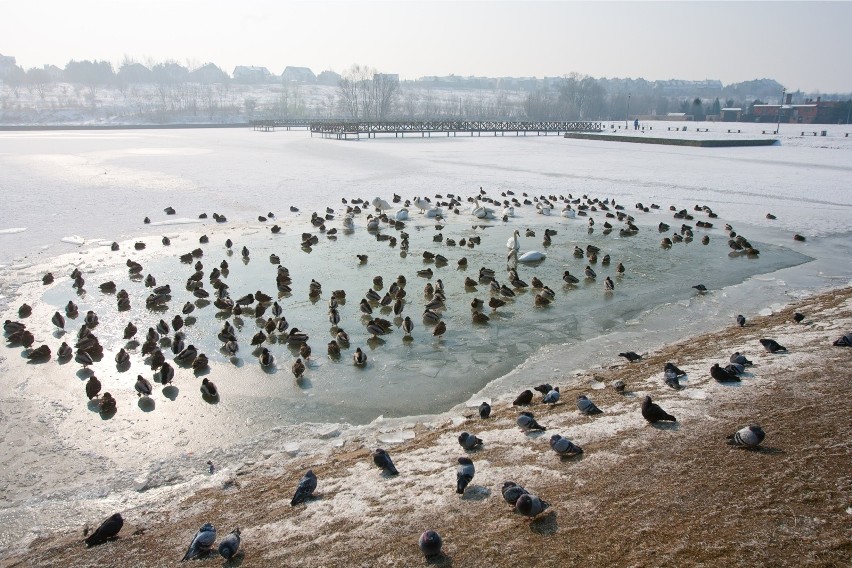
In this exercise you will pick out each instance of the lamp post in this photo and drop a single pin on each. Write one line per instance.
(781, 106)
(627, 116)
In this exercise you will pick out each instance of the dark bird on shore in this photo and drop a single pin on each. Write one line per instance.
(383, 460)
(209, 389)
(772, 346)
(91, 319)
(440, 329)
(65, 352)
(749, 437)
(167, 373)
(609, 285)
(266, 358)
(672, 375)
(798, 317)
(564, 447)
(701, 288)
(741, 320)
(93, 387)
(568, 278)
(47, 279)
(544, 388)
(735, 368)
(631, 356)
(229, 545)
(495, 303)
(430, 544)
(653, 413)
(590, 274)
(201, 543)
(843, 341)
(157, 359)
(122, 358)
(143, 386)
(586, 406)
(484, 410)
(40, 353)
(469, 442)
(107, 404)
(464, 473)
(552, 396)
(740, 359)
(723, 375)
(530, 505)
(187, 355)
(305, 489)
(524, 398)
(24, 311)
(58, 320)
(359, 357)
(512, 491)
(107, 531)
(298, 368)
(526, 421)
(71, 309)
(200, 363)
(619, 386)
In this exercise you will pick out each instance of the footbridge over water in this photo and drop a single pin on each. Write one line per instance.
(353, 130)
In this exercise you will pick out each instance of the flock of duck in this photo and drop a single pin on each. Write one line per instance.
(166, 339)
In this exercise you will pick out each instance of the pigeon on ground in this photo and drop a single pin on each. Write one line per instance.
(631, 356)
(564, 447)
(430, 544)
(201, 542)
(552, 397)
(544, 388)
(108, 529)
(511, 491)
(523, 398)
(305, 489)
(464, 473)
(469, 441)
(772, 346)
(735, 368)
(526, 421)
(701, 288)
(748, 437)
(484, 410)
(586, 406)
(671, 376)
(530, 505)
(723, 375)
(741, 320)
(383, 460)
(740, 359)
(798, 317)
(653, 413)
(845, 341)
(619, 386)
(230, 544)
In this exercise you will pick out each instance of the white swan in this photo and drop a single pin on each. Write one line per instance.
(509, 211)
(422, 204)
(543, 209)
(514, 245)
(373, 224)
(434, 212)
(381, 204)
(401, 215)
(481, 212)
(532, 256)
(568, 212)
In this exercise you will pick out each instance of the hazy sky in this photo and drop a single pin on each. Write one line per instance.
(803, 45)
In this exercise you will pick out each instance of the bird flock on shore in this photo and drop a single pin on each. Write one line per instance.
(165, 339)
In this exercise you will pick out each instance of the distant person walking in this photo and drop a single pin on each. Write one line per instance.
(636, 124)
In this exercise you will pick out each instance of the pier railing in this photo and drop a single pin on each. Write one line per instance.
(354, 129)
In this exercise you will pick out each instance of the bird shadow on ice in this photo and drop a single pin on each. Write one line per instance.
(146, 404)
(666, 425)
(84, 373)
(270, 370)
(304, 383)
(58, 333)
(545, 525)
(236, 561)
(534, 434)
(572, 458)
(93, 405)
(171, 392)
(476, 493)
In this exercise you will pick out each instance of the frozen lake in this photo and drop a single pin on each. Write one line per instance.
(68, 194)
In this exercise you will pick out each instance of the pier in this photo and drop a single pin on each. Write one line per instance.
(353, 130)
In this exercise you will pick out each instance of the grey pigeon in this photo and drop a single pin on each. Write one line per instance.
(484, 410)
(845, 341)
(230, 544)
(741, 320)
(772, 346)
(305, 489)
(530, 505)
(108, 529)
(383, 460)
(653, 413)
(740, 359)
(511, 491)
(552, 397)
(670, 377)
(201, 542)
(619, 385)
(430, 544)
(469, 441)
(564, 446)
(748, 437)
(526, 421)
(722, 375)
(586, 406)
(464, 474)
(735, 368)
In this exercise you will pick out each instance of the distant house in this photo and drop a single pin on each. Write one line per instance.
(7, 63)
(251, 75)
(678, 116)
(329, 78)
(298, 75)
(54, 72)
(135, 73)
(208, 74)
(731, 114)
